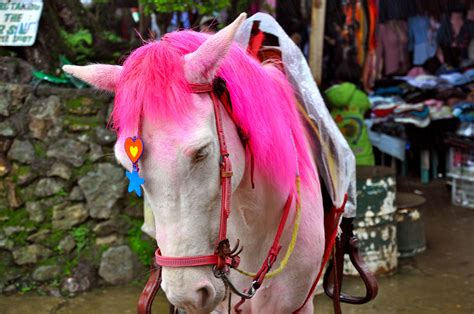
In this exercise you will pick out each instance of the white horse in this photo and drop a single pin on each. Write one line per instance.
(180, 165)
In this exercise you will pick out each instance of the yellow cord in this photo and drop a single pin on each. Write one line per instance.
(294, 235)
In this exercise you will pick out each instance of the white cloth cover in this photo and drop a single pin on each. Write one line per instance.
(334, 158)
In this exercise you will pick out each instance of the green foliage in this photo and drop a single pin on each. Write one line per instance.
(28, 287)
(81, 235)
(17, 217)
(55, 283)
(40, 150)
(204, 7)
(19, 238)
(69, 265)
(84, 169)
(74, 103)
(79, 38)
(243, 5)
(141, 246)
(61, 192)
(135, 201)
(21, 170)
(54, 238)
(84, 121)
(111, 37)
(80, 43)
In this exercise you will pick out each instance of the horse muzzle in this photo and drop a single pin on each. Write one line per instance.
(195, 293)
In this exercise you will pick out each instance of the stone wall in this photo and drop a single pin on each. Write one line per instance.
(66, 221)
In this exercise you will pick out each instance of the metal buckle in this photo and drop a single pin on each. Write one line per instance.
(246, 295)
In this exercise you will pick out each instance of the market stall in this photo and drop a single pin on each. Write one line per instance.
(415, 62)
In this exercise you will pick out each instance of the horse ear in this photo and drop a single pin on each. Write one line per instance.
(201, 65)
(102, 76)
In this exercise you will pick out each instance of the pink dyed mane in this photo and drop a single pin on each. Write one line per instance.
(153, 84)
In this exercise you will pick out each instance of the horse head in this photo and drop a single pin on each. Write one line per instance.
(156, 99)
(180, 163)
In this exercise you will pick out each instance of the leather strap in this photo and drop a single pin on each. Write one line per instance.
(272, 253)
(276, 246)
(347, 244)
(188, 261)
(331, 223)
(152, 287)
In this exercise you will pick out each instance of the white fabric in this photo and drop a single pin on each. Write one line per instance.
(331, 140)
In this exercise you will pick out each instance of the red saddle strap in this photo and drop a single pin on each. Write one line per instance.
(331, 225)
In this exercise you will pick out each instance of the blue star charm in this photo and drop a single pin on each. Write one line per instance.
(135, 182)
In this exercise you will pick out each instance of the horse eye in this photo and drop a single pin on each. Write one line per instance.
(201, 154)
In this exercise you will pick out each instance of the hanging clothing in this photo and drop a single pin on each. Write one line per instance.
(422, 38)
(392, 50)
(348, 105)
(357, 26)
(369, 70)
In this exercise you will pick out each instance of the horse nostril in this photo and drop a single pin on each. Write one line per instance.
(206, 294)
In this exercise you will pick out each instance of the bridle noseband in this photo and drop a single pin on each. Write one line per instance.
(224, 257)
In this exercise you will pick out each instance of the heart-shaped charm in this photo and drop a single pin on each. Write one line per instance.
(134, 148)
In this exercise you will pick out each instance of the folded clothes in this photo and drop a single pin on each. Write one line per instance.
(416, 114)
(444, 69)
(451, 92)
(456, 78)
(443, 112)
(469, 74)
(464, 111)
(414, 119)
(409, 107)
(376, 100)
(383, 110)
(424, 81)
(419, 96)
(388, 91)
(434, 103)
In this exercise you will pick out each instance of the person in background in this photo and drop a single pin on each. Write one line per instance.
(294, 17)
(454, 36)
(348, 106)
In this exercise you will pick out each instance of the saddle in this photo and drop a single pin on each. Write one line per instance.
(340, 239)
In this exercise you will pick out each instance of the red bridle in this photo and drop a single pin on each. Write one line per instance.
(224, 257)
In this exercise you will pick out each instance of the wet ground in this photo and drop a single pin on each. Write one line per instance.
(440, 280)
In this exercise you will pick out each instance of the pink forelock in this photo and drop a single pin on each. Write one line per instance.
(153, 84)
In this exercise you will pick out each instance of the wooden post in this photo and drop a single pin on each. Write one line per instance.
(318, 13)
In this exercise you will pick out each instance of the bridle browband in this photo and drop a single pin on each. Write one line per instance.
(224, 257)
